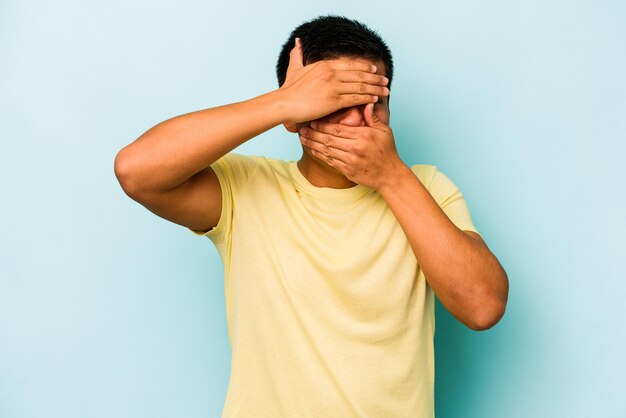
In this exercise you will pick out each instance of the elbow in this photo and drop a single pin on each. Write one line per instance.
(488, 318)
(123, 172)
(494, 307)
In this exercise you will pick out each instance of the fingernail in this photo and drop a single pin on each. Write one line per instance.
(314, 125)
(385, 80)
(373, 68)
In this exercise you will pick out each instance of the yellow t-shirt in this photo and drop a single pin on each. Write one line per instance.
(329, 314)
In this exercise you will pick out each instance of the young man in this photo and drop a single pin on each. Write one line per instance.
(331, 263)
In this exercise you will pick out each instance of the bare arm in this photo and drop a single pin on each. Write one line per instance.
(174, 150)
(464, 274)
(462, 271)
(167, 169)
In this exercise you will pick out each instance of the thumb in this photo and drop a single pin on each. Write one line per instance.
(371, 118)
(295, 57)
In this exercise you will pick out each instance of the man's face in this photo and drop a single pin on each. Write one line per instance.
(353, 116)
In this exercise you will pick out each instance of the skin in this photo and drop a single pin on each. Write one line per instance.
(167, 170)
(355, 145)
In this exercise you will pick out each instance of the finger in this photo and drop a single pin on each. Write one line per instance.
(351, 76)
(352, 64)
(355, 99)
(340, 165)
(371, 118)
(363, 88)
(295, 56)
(333, 130)
(327, 153)
(326, 139)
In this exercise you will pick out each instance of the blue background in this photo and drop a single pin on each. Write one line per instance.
(107, 310)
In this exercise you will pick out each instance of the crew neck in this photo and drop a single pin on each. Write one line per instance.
(348, 194)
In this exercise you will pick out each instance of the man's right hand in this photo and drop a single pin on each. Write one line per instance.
(321, 88)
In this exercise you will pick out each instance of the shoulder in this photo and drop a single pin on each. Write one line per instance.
(438, 184)
(238, 164)
(241, 166)
(233, 158)
(252, 160)
(426, 173)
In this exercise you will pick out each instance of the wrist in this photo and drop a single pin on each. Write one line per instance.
(395, 175)
(282, 105)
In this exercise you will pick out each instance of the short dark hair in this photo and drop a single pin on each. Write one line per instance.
(330, 37)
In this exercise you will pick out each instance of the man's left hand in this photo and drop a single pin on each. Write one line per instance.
(366, 155)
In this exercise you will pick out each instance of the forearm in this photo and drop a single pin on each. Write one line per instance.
(466, 277)
(174, 150)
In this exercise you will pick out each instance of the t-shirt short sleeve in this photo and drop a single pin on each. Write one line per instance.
(233, 171)
(447, 195)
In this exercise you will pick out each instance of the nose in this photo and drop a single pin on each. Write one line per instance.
(351, 116)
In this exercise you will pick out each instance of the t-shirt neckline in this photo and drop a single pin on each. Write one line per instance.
(348, 194)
